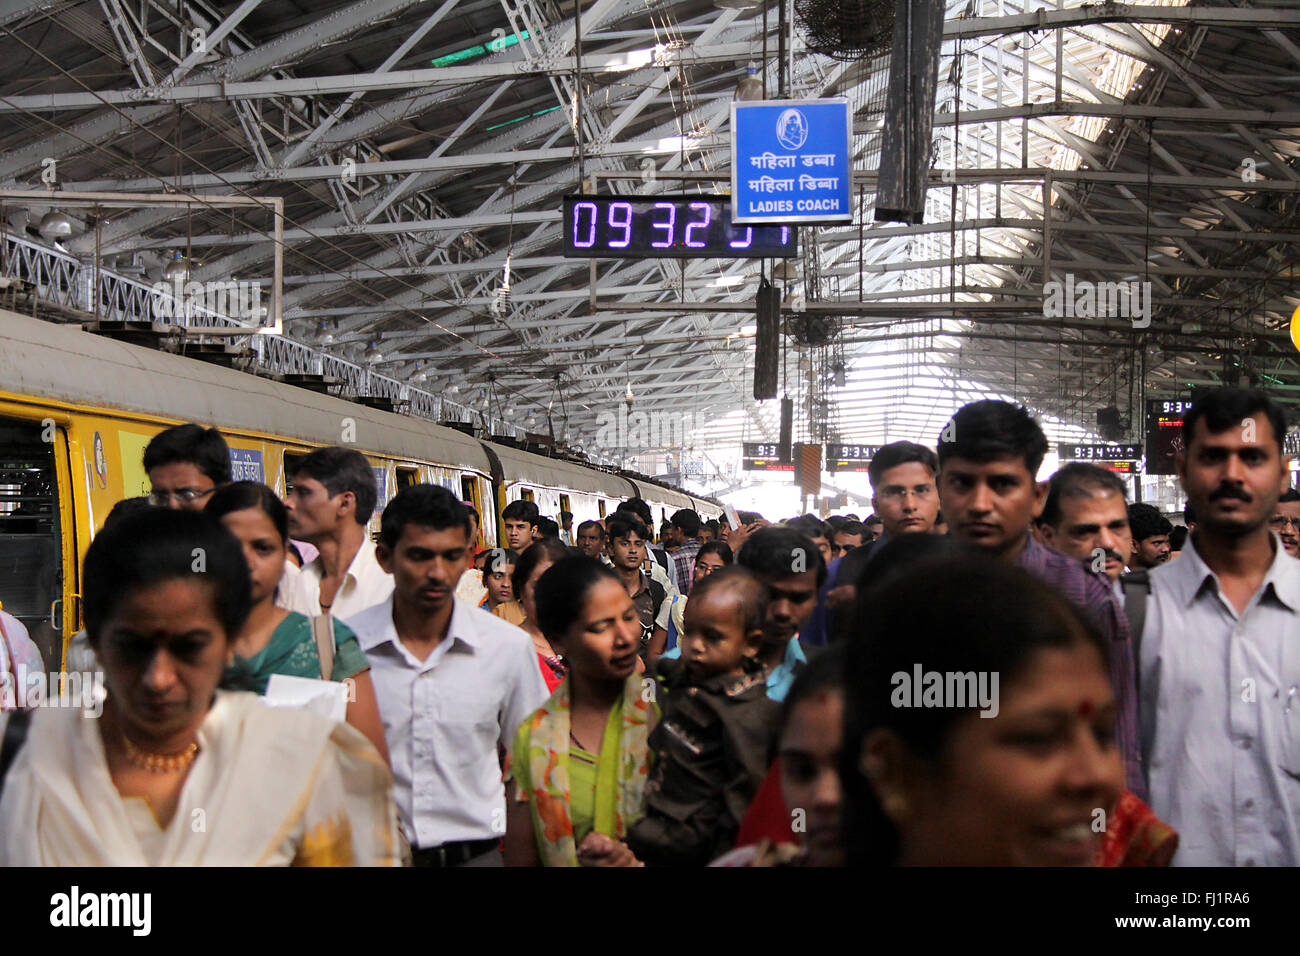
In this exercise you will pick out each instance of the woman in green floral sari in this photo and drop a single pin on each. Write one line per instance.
(277, 641)
(579, 765)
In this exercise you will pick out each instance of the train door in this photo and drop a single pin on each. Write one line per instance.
(36, 542)
(469, 491)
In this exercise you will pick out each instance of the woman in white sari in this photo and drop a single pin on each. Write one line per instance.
(176, 772)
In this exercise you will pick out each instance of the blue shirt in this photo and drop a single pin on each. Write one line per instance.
(779, 678)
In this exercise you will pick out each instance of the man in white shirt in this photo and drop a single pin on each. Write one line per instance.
(331, 498)
(453, 682)
(1220, 652)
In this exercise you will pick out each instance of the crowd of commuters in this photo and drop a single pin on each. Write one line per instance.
(988, 669)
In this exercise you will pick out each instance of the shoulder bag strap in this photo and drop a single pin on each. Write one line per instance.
(322, 629)
(1137, 587)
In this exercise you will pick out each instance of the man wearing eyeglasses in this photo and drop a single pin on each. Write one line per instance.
(904, 493)
(906, 502)
(185, 465)
(1285, 522)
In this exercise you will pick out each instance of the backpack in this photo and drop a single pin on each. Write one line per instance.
(658, 593)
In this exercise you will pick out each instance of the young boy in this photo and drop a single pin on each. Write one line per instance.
(627, 544)
(711, 746)
(500, 597)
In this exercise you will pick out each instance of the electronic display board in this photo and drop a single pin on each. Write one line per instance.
(675, 227)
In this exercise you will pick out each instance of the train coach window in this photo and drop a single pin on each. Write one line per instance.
(600, 505)
(407, 477)
(525, 494)
(467, 490)
(31, 572)
(564, 505)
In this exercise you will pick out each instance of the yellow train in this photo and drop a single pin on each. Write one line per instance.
(77, 409)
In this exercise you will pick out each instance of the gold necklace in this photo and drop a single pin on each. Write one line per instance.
(159, 763)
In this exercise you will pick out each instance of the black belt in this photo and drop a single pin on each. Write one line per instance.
(452, 854)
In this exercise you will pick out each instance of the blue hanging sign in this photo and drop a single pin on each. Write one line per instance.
(791, 161)
(381, 488)
(246, 465)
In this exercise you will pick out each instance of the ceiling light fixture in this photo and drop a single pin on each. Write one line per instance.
(750, 86)
(178, 268)
(55, 225)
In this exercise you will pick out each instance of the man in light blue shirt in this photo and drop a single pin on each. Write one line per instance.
(1220, 653)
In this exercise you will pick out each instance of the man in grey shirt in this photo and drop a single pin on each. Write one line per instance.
(1220, 653)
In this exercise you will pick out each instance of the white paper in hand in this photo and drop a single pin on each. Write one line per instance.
(733, 519)
(325, 697)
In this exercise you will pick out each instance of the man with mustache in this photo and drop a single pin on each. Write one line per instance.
(1220, 655)
(1151, 532)
(1085, 517)
(1286, 521)
(989, 455)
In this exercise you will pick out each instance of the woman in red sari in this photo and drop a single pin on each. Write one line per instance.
(1027, 772)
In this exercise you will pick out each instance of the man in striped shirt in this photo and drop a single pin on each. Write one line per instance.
(686, 536)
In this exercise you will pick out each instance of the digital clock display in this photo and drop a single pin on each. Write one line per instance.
(1100, 452)
(1164, 434)
(673, 227)
(760, 456)
(850, 457)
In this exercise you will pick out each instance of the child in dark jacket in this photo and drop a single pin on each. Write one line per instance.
(711, 745)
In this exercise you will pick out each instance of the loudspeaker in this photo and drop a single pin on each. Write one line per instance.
(767, 342)
(787, 428)
(808, 468)
(1109, 426)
